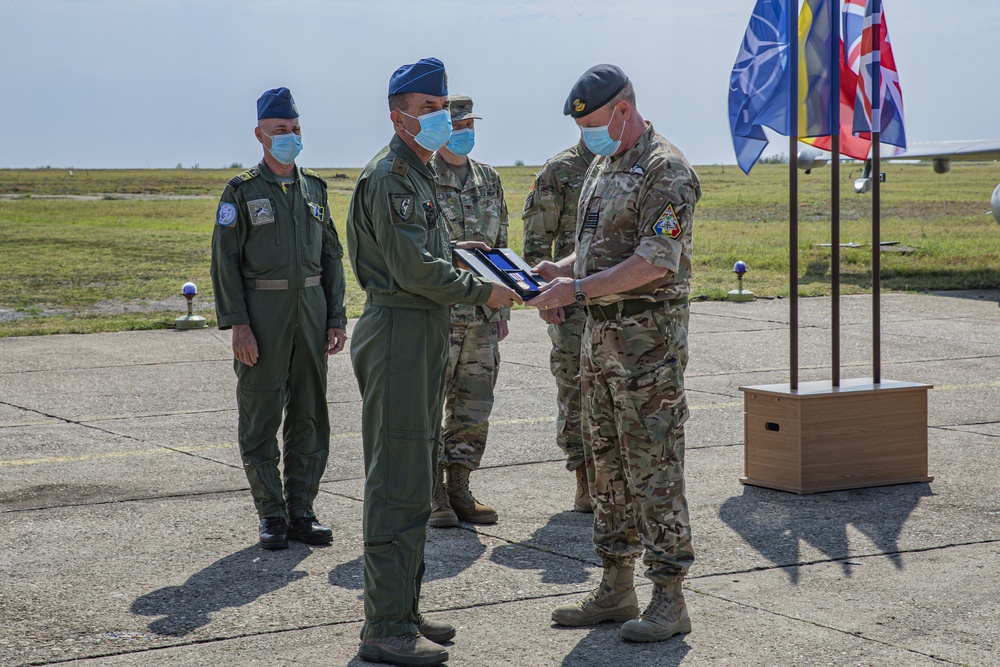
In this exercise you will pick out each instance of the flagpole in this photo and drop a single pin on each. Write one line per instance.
(876, 197)
(793, 197)
(835, 59)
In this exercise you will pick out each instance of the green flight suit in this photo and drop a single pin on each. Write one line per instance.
(277, 265)
(401, 254)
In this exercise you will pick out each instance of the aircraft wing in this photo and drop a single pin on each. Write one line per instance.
(950, 150)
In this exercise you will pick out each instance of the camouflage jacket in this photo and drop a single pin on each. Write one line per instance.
(639, 203)
(550, 208)
(475, 211)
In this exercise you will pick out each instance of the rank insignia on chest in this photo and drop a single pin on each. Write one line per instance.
(667, 224)
(261, 211)
(431, 214)
(316, 210)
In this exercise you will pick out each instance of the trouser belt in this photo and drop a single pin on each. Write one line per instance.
(629, 307)
(276, 285)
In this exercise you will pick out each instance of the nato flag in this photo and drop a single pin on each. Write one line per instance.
(759, 86)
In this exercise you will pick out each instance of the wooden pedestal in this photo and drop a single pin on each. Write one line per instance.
(825, 438)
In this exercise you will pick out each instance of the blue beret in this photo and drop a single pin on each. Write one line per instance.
(277, 103)
(425, 76)
(594, 89)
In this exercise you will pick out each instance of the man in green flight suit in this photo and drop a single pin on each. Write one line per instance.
(401, 255)
(470, 196)
(278, 275)
(550, 235)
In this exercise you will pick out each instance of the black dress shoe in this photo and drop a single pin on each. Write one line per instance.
(307, 529)
(273, 533)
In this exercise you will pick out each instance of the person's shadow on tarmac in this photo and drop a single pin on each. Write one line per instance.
(774, 522)
(559, 549)
(233, 581)
(603, 646)
(448, 553)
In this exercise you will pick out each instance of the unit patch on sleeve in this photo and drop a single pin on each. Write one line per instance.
(227, 214)
(261, 211)
(316, 210)
(402, 205)
(667, 224)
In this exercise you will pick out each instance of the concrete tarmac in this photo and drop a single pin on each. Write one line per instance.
(128, 537)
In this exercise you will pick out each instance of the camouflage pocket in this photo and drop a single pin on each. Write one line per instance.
(655, 400)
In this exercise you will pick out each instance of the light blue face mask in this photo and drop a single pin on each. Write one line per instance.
(284, 147)
(462, 141)
(599, 140)
(435, 129)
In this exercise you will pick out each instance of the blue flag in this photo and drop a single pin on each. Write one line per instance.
(759, 86)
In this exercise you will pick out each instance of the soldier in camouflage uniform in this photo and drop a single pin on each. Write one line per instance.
(632, 269)
(470, 196)
(550, 220)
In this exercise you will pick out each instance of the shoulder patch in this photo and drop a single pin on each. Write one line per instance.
(310, 172)
(226, 215)
(239, 180)
(667, 224)
(400, 167)
(403, 205)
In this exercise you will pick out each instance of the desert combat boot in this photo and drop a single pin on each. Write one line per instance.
(613, 600)
(442, 515)
(665, 616)
(582, 502)
(466, 507)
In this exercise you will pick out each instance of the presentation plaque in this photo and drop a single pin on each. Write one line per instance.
(502, 265)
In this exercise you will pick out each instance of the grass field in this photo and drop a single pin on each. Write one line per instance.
(107, 250)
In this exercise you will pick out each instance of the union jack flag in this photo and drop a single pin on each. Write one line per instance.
(882, 111)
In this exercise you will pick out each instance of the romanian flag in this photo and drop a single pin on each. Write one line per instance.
(818, 31)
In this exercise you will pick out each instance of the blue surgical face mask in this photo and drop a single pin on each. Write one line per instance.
(599, 140)
(435, 129)
(284, 147)
(462, 141)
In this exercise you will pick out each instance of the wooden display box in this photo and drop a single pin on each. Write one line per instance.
(825, 438)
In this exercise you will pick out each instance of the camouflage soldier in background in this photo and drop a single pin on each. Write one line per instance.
(470, 197)
(550, 219)
(632, 269)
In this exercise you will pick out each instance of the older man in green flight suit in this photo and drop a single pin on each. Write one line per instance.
(278, 275)
(401, 255)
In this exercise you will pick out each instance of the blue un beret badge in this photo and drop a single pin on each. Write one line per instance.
(667, 224)
(227, 214)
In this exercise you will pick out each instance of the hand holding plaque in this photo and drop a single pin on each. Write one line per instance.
(502, 265)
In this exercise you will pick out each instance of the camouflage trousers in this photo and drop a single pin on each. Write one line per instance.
(473, 366)
(634, 409)
(564, 360)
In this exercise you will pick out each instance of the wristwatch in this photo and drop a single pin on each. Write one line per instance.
(578, 295)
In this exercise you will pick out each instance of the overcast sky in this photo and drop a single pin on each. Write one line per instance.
(149, 83)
